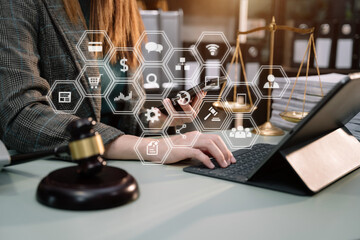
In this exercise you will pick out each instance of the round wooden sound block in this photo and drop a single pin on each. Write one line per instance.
(66, 189)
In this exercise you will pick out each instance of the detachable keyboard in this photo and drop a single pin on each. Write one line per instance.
(246, 161)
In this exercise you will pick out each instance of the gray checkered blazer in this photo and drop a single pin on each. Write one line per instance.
(37, 47)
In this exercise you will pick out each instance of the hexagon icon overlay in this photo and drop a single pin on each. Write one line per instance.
(119, 64)
(210, 74)
(213, 46)
(153, 46)
(98, 81)
(183, 64)
(151, 146)
(124, 94)
(241, 137)
(157, 82)
(276, 83)
(242, 96)
(65, 97)
(89, 48)
(149, 116)
(192, 91)
(182, 139)
(210, 118)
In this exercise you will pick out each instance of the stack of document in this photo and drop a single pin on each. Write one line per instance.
(313, 96)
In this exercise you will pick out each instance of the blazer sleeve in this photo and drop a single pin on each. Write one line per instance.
(27, 122)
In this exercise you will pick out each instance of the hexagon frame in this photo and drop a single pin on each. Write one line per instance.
(222, 69)
(164, 126)
(253, 141)
(78, 80)
(146, 133)
(266, 67)
(137, 47)
(227, 119)
(197, 70)
(166, 91)
(82, 39)
(134, 75)
(53, 105)
(254, 88)
(198, 133)
(222, 35)
(138, 105)
(173, 114)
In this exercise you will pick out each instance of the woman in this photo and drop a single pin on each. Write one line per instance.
(37, 47)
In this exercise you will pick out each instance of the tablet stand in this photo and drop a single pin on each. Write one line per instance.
(311, 166)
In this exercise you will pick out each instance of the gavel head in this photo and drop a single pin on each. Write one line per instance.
(86, 146)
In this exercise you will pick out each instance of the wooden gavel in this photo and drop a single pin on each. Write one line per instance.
(88, 186)
(85, 147)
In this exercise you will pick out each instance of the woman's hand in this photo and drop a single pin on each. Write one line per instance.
(189, 112)
(206, 145)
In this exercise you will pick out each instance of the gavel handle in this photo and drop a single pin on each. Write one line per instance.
(27, 157)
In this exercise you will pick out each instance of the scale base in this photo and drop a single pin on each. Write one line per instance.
(235, 107)
(66, 189)
(293, 116)
(268, 129)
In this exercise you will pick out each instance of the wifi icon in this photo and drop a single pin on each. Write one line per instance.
(212, 49)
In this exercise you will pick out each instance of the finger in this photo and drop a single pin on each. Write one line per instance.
(169, 105)
(188, 109)
(199, 155)
(213, 149)
(198, 98)
(179, 121)
(222, 146)
(202, 93)
(176, 121)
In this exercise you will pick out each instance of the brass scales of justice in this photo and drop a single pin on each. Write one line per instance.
(268, 129)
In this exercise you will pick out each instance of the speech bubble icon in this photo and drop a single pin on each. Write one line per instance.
(153, 47)
(159, 48)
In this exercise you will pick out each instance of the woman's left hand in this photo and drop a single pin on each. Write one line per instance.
(190, 112)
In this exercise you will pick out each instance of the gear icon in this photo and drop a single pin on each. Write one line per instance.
(152, 115)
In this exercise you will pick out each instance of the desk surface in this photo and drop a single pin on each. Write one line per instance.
(178, 205)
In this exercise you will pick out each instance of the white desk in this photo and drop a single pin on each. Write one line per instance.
(178, 205)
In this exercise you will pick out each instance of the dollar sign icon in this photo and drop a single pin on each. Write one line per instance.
(124, 67)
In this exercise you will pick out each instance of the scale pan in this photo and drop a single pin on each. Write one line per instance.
(235, 106)
(293, 116)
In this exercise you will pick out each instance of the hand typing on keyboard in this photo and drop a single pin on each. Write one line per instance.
(206, 146)
(155, 150)
(247, 161)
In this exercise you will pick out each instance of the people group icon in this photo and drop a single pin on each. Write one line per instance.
(240, 132)
(271, 82)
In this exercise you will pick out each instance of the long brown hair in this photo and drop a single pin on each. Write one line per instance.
(153, 4)
(119, 18)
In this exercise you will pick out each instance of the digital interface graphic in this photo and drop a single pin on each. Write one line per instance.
(164, 71)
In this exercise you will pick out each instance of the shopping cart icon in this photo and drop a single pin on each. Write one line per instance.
(94, 81)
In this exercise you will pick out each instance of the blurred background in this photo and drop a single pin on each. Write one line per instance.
(337, 32)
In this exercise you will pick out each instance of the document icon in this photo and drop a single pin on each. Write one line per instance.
(152, 148)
